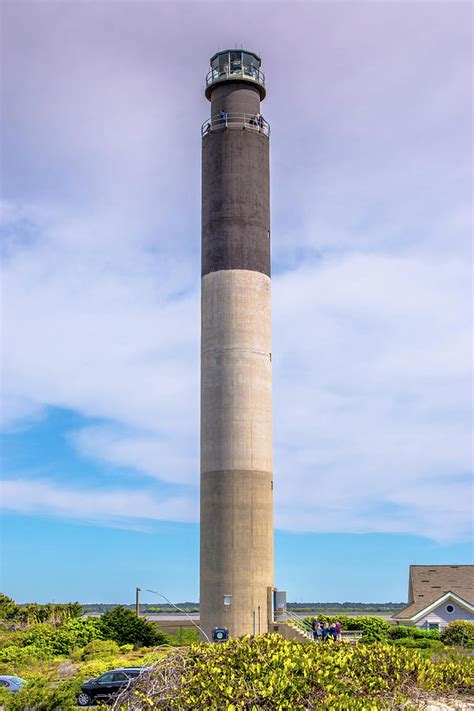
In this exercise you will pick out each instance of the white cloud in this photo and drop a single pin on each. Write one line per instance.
(372, 396)
(123, 507)
(145, 452)
(372, 367)
(371, 223)
(101, 334)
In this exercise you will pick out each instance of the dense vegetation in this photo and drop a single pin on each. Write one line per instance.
(55, 658)
(373, 628)
(268, 672)
(31, 613)
(44, 641)
(456, 634)
(459, 633)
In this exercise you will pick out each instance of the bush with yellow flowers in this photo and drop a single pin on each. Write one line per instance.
(269, 672)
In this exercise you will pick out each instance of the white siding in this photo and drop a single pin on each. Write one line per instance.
(440, 616)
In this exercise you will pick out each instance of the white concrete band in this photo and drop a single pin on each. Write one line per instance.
(236, 371)
(236, 451)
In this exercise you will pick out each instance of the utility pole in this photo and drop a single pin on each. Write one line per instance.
(137, 601)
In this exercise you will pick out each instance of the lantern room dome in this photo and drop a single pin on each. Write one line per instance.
(235, 65)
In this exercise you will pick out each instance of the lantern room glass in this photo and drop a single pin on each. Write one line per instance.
(235, 63)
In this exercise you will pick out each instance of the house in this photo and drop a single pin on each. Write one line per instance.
(437, 595)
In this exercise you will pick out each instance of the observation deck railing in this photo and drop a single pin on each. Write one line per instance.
(253, 122)
(245, 71)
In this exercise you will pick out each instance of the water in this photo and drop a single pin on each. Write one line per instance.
(176, 617)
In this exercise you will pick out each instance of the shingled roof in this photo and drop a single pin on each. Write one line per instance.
(428, 583)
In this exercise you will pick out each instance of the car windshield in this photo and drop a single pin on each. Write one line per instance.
(17, 680)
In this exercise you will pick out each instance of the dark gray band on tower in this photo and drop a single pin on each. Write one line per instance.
(235, 201)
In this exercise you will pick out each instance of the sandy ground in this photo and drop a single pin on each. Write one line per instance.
(428, 703)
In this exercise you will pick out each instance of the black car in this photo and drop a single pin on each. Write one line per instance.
(107, 685)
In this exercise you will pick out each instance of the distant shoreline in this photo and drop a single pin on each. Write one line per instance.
(175, 616)
(321, 607)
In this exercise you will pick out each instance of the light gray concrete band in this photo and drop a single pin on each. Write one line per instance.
(236, 450)
(236, 549)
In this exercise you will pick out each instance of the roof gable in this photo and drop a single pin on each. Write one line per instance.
(443, 599)
(430, 583)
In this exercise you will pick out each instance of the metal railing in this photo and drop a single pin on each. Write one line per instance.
(348, 636)
(246, 71)
(351, 635)
(219, 122)
(301, 624)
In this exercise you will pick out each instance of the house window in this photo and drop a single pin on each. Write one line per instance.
(450, 609)
(433, 625)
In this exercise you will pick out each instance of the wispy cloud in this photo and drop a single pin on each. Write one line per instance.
(160, 458)
(106, 506)
(371, 203)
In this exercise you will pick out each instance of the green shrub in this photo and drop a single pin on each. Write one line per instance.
(401, 631)
(268, 672)
(95, 668)
(373, 628)
(33, 613)
(61, 640)
(12, 637)
(40, 694)
(4, 697)
(19, 656)
(459, 633)
(124, 627)
(98, 649)
(9, 610)
(419, 643)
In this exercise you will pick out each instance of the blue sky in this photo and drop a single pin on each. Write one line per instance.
(370, 110)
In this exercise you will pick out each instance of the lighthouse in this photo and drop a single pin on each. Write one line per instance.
(236, 556)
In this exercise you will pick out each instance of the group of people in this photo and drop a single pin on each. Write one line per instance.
(323, 631)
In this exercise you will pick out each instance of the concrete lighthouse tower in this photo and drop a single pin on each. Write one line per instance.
(236, 357)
